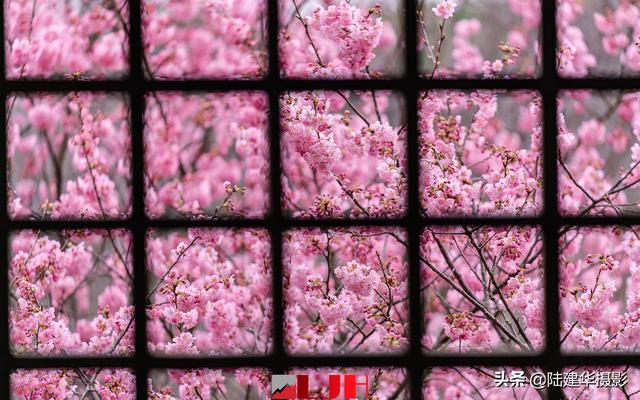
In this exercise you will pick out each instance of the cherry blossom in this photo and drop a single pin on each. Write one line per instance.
(208, 384)
(483, 289)
(71, 293)
(480, 153)
(599, 289)
(73, 384)
(204, 39)
(206, 155)
(445, 9)
(69, 156)
(343, 155)
(345, 290)
(598, 38)
(66, 39)
(209, 293)
(599, 153)
(340, 39)
(466, 38)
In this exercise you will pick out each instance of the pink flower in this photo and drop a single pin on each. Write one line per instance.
(591, 132)
(50, 40)
(619, 141)
(588, 306)
(54, 284)
(42, 117)
(605, 24)
(73, 154)
(460, 326)
(445, 9)
(354, 33)
(324, 301)
(213, 39)
(359, 279)
(113, 298)
(183, 345)
(333, 310)
(497, 66)
(186, 172)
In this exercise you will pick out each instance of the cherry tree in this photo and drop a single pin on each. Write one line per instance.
(69, 156)
(64, 39)
(343, 156)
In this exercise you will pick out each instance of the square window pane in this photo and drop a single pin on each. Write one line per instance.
(343, 154)
(599, 153)
(358, 39)
(465, 38)
(206, 155)
(480, 153)
(70, 293)
(66, 39)
(598, 288)
(204, 40)
(477, 383)
(209, 292)
(482, 289)
(598, 38)
(73, 384)
(370, 383)
(241, 383)
(69, 156)
(345, 290)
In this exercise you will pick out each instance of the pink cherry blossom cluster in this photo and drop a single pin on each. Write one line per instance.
(69, 156)
(73, 384)
(599, 152)
(470, 39)
(346, 290)
(478, 383)
(598, 38)
(208, 384)
(210, 292)
(206, 155)
(483, 289)
(343, 155)
(340, 38)
(599, 288)
(204, 39)
(480, 153)
(70, 293)
(66, 39)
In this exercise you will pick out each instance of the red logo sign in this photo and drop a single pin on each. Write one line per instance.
(296, 387)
